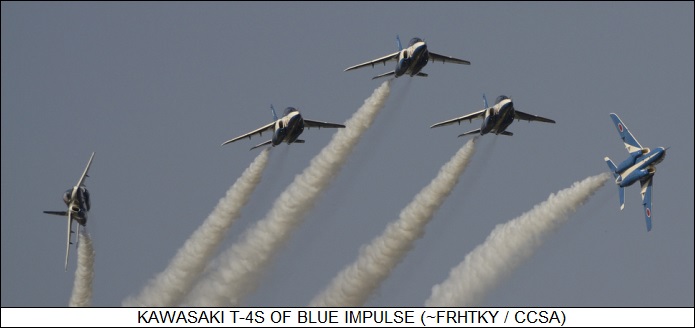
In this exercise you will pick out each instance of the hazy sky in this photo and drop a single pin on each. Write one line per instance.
(155, 88)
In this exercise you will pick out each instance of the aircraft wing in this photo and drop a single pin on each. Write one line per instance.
(629, 140)
(528, 117)
(84, 174)
(67, 246)
(647, 201)
(469, 117)
(435, 57)
(383, 60)
(259, 131)
(317, 124)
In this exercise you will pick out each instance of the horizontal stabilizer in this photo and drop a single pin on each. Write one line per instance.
(422, 74)
(261, 144)
(299, 141)
(56, 213)
(612, 167)
(385, 74)
(506, 133)
(470, 132)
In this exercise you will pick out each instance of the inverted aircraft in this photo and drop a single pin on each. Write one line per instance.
(77, 200)
(410, 60)
(285, 129)
(496, 119)
(639, 166)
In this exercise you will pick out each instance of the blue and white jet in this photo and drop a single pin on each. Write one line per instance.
(285, 129)
(410, 60)
(496, 119)
(77, 200)
(640, 165)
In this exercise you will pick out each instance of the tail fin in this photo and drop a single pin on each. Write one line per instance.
(398, 43)
(484, 101)
(621, 190)
(275, 116)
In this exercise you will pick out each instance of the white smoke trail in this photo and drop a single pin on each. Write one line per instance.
(508, 245)
(353, 285)
(241, 265)
(172, 284)
(84, 274)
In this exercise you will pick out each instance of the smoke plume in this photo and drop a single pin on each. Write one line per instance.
(356, 282)
(508, 245)
(84, 274)
(172, 284)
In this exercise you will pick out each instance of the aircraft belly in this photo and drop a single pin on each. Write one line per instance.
(500, 126)
(294, 133)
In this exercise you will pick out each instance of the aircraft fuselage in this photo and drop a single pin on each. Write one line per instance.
(498, 117)
(288, 128)
(411, 60)
(639, 167)
(79, 206)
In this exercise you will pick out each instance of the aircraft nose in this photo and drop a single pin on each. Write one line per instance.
(662, 154)
(507, 106)
(419, 50)
(295, 119)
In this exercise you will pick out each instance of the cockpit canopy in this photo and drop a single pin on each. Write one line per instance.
(289, 110)
(500, 98)
(67, 195)
(414, 41)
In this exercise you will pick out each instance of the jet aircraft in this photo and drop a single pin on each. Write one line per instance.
(496, 119)
(285, 129)
(77, 200)
(640, 165)
(410, 60)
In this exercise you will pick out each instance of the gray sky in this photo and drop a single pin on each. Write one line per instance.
(155, 88)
